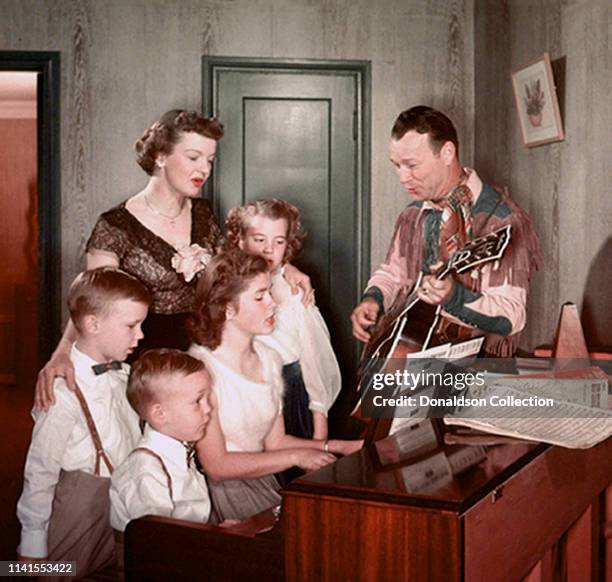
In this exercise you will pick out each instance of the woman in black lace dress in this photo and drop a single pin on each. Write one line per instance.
(164, 235)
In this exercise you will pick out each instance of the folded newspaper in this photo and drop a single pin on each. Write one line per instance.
(540, 410)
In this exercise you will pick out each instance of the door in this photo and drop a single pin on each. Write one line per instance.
(30, 282)
(42, 247)
(298, 131)
(19, 227)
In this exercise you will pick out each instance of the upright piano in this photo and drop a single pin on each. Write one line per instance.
(409, 507)
(499, 513)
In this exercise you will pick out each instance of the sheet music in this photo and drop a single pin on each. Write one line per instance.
(401, 422)
(464, 457)
(465, 349)
(450, 351)
(591, 392)
(565, 423)
(418, 437)
(437, 352)
(431, 360)
(428, 474)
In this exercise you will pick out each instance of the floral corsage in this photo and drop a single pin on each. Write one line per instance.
(190, 260)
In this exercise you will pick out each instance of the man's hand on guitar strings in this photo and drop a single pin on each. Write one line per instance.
(363, 317)
(435, 291)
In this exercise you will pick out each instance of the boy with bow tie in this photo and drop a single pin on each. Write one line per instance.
(64, 507)
(171, 390)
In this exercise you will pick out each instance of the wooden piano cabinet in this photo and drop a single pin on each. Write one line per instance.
(507, 532)
(161, 548)
(498, 521)
(343, 539)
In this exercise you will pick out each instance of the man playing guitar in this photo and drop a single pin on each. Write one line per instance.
(451, 207)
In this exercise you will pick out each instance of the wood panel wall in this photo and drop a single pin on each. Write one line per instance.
(125, 62)
(565, 186)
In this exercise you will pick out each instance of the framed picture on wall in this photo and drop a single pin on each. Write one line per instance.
(536, 102)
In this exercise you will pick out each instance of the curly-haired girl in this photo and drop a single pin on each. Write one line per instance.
(246, 442)
(272, 229)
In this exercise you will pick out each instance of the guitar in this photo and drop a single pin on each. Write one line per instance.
(409, 325)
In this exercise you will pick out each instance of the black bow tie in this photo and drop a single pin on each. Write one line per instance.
(190, 451)
(101, 368)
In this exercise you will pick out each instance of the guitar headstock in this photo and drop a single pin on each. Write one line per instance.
(483, 249)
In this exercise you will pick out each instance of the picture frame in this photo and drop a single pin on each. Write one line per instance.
(536, 102)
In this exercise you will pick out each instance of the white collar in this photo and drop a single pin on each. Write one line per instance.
(168, 446)
(83, 365)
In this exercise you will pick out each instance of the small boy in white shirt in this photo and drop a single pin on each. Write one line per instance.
(64, 508)
(170, 390)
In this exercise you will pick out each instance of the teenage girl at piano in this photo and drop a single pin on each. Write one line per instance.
(272, 229)
(246, 442)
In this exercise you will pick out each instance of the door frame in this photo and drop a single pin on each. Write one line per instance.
(211, 65)
(49, 188)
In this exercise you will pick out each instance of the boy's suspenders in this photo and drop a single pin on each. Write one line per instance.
(161, 461)
(93, 431)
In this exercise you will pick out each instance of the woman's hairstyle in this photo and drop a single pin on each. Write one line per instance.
(423, 119)
(165, 133)
(226, 277)
(238, 222)
(93, 292)
(149, 372)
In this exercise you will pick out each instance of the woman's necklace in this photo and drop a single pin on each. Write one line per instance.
(170, 219)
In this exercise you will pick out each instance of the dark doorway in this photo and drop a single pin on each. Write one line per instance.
(19, 226)
(30, 259)
(47, 66)
(299, 130)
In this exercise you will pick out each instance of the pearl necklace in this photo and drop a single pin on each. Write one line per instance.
(170, 219)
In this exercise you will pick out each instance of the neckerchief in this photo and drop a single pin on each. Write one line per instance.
(456, 219)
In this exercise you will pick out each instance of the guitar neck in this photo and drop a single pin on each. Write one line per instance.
(442, 271)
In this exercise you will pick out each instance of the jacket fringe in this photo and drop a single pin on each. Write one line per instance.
(522, 257)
